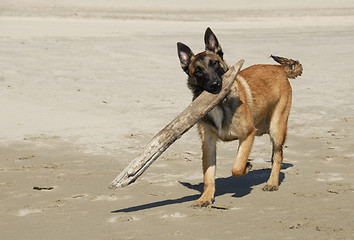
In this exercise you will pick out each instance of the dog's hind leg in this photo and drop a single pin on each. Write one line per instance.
(277, 132)
(277, 159)
(242, 167)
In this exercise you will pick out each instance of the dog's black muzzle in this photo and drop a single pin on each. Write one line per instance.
(215, 87)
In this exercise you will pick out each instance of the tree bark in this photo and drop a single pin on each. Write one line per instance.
(173, 131)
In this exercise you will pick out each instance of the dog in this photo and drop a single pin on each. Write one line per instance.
(258, 103)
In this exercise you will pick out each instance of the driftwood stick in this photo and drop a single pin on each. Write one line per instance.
(173, 131)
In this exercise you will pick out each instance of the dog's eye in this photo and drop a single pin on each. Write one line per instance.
(198, 72)
(214, 63)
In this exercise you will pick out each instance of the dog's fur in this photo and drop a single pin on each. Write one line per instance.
(259, 102)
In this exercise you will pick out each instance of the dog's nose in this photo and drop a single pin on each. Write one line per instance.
(215, 85)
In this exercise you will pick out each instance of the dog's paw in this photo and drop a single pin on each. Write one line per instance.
(241, 172)
(203, 202)
(270, 188)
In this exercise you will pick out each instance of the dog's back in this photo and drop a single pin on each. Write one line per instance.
(267, 90)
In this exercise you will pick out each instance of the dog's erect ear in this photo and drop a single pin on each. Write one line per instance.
(212, 43)
(185, 54)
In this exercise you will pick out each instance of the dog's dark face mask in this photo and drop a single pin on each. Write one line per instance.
(205, 70)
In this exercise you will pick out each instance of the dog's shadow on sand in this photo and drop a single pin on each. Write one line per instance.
(239, 187)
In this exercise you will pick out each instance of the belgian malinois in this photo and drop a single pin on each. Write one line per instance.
(259, 102)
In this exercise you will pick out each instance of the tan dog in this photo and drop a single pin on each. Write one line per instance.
(259, 102)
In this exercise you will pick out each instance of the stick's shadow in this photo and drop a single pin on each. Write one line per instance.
(239, 187)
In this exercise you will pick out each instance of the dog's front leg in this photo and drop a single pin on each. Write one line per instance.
(242, 167)
(209, 168)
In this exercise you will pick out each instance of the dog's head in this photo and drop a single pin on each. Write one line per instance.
(205, 69)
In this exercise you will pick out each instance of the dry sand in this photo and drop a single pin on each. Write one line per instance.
(85, 85)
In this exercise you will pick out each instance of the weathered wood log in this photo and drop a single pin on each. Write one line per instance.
(173, 131)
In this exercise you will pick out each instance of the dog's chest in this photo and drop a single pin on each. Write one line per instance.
(216, 117)
(222, 119)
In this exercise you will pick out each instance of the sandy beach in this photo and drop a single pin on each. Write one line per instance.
(84, 85)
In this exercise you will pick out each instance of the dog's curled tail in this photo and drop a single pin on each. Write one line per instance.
(293, 68)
